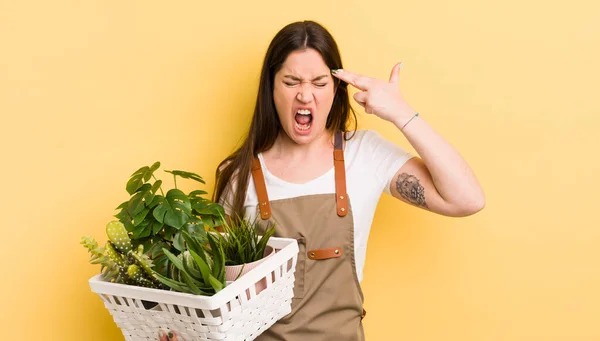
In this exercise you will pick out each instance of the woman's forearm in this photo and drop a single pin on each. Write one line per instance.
(452, 176)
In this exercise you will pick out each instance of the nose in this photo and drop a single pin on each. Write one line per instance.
(305, 94)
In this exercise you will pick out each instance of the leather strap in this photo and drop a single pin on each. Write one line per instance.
(341, 197)
(261, 189)
(325, 253)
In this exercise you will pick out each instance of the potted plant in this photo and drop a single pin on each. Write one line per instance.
(159, 255)
(194, 270)
(243, 246)
(150, 227)
(120, 262)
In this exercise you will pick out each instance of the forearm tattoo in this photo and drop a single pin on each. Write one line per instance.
(410, 189)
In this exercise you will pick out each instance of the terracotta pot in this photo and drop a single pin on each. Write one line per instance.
(233, 272)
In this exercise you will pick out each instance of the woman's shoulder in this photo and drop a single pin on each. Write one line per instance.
(370, 144)
(363, 138)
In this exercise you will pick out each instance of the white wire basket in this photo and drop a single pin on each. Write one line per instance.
(235, 313)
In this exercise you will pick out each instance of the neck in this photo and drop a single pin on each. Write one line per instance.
(285, 146)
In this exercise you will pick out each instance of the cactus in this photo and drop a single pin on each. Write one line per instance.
(113, 254)
(120, 263)
(109, 268)
(116, 232)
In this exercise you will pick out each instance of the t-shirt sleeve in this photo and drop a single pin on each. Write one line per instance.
(386, 156)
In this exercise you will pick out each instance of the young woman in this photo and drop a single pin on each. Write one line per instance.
(304, 168)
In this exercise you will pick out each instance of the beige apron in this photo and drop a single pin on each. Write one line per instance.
(327, 303)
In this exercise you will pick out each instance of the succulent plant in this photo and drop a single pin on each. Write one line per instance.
(109, 269)
(120, 262)
(194, 271)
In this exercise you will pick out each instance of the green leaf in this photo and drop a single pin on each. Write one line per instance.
(178, 286)
(123, 215)
(169, 232)
(218, 221)
(136, 202)
(193, 287)
(128, 225)
(193, 243)
(136, 205)
(208, 221)
(187, 175)
(123, 205)
(197, 193)
(195, 227)
(144, 188)
(157, 199)
(174, 210)
(216, 284)
(262, 244)
(218, 210)
(218, 256)
(149, 196)
(140, 216)
(162, 264)
(137, 180)
(139, 177)
(156, 226)
(201, 206)
(204, 269)
(194, 273)
(176, 261)
(178, 241)
(156, 249)
(142, 231)
(153, 168)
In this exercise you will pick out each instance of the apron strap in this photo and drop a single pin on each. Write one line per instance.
(341, 197)
(261, 189)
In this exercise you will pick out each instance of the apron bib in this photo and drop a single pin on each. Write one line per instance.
(328, 300)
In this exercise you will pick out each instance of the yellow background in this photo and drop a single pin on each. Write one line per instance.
(92, 90)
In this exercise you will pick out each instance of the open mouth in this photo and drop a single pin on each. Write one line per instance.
(303, 119)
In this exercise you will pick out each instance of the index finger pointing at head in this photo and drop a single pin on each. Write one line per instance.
(358, 81)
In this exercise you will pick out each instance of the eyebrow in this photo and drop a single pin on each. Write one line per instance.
(299, 79)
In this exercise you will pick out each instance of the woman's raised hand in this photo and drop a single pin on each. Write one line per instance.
(378, 97)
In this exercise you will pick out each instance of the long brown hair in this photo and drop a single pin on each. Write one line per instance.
(265, 125)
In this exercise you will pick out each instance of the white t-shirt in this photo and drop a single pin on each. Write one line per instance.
(371, 162)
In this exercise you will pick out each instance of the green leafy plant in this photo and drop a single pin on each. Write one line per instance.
(147, 245)
(241, 241)
(194, 270)
(157, 220)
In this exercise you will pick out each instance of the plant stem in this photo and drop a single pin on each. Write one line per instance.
(175, 180)
(160, 187)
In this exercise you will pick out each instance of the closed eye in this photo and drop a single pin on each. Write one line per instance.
(318, 85)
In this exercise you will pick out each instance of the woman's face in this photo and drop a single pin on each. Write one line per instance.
(303, 94)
